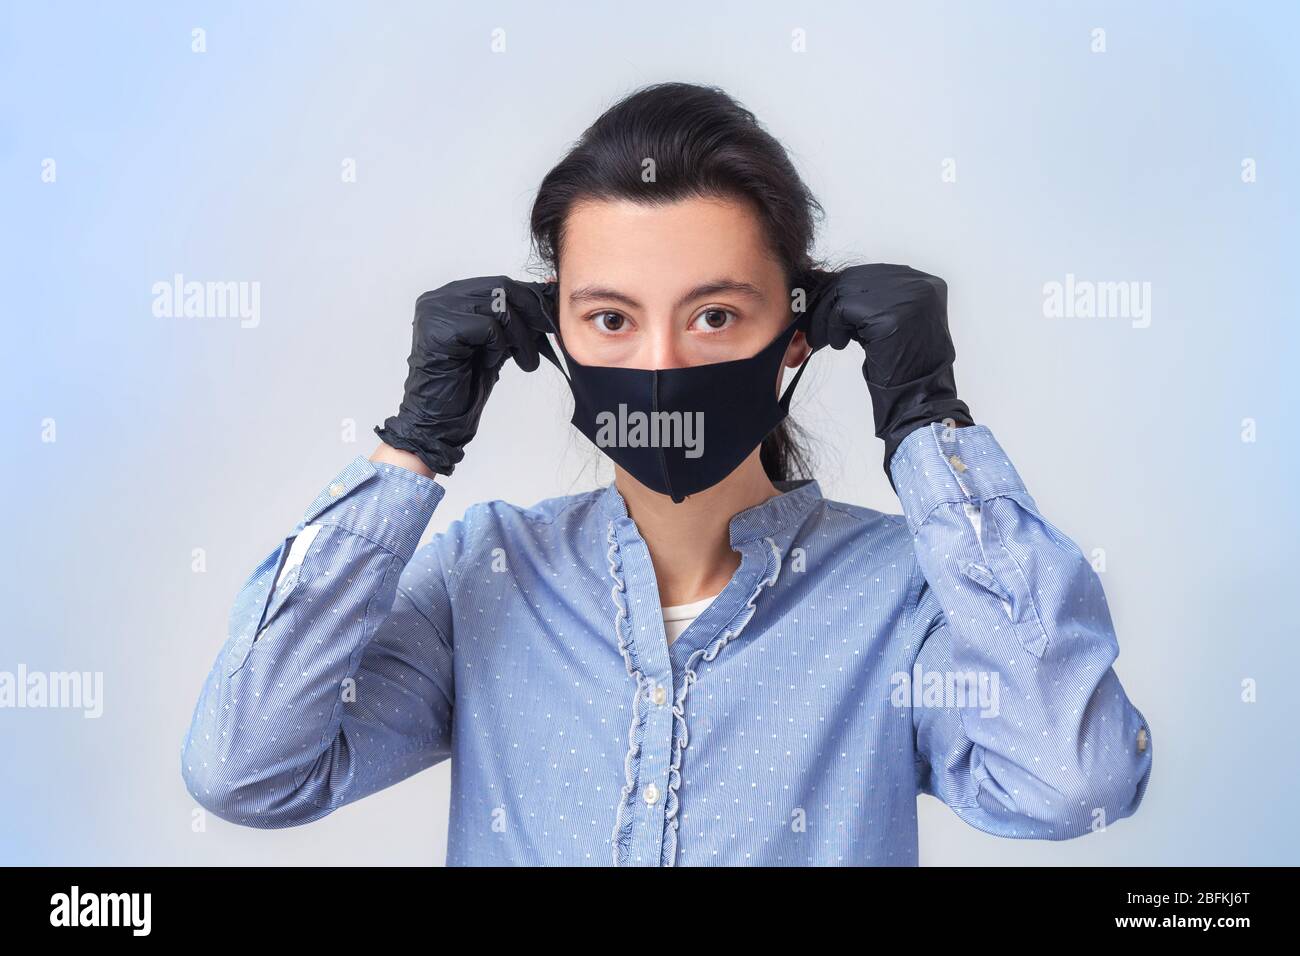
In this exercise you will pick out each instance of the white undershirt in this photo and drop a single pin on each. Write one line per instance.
(679, 616)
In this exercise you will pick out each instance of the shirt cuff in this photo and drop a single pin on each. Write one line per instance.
(384, 503)
(937, 465)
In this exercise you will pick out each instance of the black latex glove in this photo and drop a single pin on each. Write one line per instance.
(462, 334)
(900, 317)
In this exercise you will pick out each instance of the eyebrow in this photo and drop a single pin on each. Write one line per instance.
(589, 292)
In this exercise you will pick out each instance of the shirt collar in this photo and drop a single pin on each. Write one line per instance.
(798, 497)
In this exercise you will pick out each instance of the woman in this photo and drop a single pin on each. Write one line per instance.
(845, 659)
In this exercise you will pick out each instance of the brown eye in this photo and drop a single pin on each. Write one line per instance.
(613, 322)
(714, 320)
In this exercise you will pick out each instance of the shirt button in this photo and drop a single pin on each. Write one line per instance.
(651, 794)
(336, 489)
(956, 462)
(660, 695)
(1142, 740)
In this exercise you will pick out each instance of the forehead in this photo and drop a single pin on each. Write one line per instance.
(622, 241)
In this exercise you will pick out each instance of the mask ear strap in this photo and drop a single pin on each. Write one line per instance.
(546, 303)
(802, 324)
(547, 351)
(789, 391)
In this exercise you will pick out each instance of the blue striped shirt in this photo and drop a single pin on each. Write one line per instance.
(962, 649)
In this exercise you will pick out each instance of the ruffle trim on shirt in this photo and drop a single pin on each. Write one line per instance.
(622, 836)
(681, 737)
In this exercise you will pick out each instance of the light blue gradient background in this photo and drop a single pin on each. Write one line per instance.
(175, 434)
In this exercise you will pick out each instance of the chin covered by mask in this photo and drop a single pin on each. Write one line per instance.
(679, 430)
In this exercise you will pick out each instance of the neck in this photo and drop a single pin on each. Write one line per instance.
(690, 543)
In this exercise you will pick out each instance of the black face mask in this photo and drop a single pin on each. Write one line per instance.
(679, 430)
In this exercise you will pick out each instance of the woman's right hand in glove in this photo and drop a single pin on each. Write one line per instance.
(462, 334)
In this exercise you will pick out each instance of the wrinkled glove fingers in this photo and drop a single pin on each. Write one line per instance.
(821, 298)
(526, 321)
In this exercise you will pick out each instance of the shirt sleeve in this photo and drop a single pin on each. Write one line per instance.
(331, 683)
(1021, 724)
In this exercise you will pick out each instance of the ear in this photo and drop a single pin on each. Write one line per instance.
(797, 350)
(555, 303)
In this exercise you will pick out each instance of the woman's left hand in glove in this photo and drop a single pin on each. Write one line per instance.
(900, 317)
